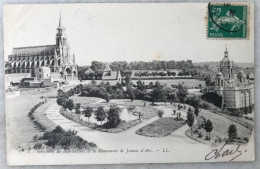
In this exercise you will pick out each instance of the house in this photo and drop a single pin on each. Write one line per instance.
(42, 73)
(89, 71)
(113, 77)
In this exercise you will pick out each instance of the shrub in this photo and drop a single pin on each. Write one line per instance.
(246, 139)
(200, 135)
(249, 118)
(232, 132)
(196, 131)
(213, 98)
(205, 105)
(65, 139)
(37, 146)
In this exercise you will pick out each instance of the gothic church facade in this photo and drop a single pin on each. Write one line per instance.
(57, 57)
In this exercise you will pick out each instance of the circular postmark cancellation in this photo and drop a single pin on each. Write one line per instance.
(228, 20)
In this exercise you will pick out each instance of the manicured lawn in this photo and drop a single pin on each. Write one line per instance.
(220, 128)
(160, 128)
(40, 116)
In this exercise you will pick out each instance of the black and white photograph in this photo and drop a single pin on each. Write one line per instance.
(100, 83)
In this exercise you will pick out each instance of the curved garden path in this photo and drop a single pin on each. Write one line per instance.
(126, 138)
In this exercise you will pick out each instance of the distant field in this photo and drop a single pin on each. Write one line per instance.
(189, 83)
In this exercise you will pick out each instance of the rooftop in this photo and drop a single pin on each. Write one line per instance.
(34, 50)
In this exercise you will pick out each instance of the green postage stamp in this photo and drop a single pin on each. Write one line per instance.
(227, 20)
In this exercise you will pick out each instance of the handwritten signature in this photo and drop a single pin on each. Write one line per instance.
(224, 152)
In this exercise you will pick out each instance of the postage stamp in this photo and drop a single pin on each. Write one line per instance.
(227, 20)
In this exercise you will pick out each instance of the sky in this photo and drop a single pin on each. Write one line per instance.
(123, 32)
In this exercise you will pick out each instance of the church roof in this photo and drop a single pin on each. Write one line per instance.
(34, 50)
(107, 68)
(251, 75)
(225, 59)
(112, 75)
(89, 70)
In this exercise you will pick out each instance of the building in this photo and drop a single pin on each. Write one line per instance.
(236, 90)
(56, 56)
(42, 73)
(89, 71)
(113, 77)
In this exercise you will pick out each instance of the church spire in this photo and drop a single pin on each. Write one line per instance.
(60, 24)
(226, 51)
(73, 60)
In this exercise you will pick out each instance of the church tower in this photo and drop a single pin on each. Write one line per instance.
(61, 41)
(226, 66)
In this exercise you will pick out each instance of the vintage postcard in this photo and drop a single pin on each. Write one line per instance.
(129, 83)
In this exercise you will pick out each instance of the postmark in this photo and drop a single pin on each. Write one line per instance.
(228, 21)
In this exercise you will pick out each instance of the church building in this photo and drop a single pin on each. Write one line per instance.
(236, 90)
(56, 56)
(113, 77)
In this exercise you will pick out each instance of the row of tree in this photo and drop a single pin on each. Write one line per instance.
(158, 92)
(208, 126)
(125, 68)
(112, 115)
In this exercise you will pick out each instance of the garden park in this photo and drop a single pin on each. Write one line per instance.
(114, 109)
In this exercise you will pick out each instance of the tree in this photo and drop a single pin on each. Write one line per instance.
(190, 119)
(64, 104)
(70, 104)
(93, 82)
(232, 132)
(127, 79)
(114, 95)
(182, 93)
(113, 117)
(100, 114)
(151, 85)
(159, 93)
(77, 107)
(88, 112)
(96, 66)
(131, 95)
(208, 127)
(140, 85)
(107, 97)
(196, 111)
(171, 97)
(61, 100)
(160, 114)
